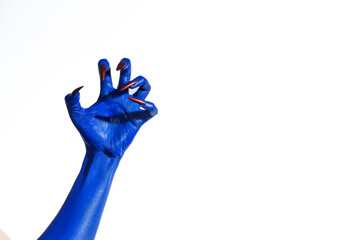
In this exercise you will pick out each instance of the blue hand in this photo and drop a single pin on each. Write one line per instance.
(112, 122)
(108, 128)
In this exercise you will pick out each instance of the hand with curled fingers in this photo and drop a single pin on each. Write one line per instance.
(107, 127)
(112, 122)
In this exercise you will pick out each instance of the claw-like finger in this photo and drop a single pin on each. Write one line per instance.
(144, 87)
(127, 85)
(102, 72)
(125, 73)
(142, 116)
(76, 91)
(105, 78)
(138, 101)
(73, 104)
(151, 108)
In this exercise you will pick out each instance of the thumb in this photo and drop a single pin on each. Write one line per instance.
(72, 102)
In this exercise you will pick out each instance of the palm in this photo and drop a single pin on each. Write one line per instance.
(109, 125)
(112, 122)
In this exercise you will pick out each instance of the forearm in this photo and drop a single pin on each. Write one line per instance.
(80, 215)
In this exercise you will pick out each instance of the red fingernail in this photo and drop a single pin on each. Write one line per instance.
(76, 91)
(120, 66)
(138, 101)
(102, 71)
(127, 85)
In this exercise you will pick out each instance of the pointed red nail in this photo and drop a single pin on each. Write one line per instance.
(102, 71)
(76, 91)
(120, 66)
(127, 85)
(138, 101)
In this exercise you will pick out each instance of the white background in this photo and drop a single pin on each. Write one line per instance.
(257, 135)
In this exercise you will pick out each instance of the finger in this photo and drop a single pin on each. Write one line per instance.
(150, 108)
(149, 112)
(142, 83)
(72, 101)
(144, 87)
(105, 77)
(125, 71)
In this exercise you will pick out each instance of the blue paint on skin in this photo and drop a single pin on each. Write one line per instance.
(107, 127)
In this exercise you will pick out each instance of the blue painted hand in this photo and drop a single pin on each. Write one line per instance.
(108, 128)
(112, 122)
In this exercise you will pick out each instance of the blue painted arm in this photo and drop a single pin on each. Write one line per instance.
(107, 128)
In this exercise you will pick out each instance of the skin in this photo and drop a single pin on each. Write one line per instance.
(107, 127)
(3, 236)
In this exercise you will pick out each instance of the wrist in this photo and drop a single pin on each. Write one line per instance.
(98, 160)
